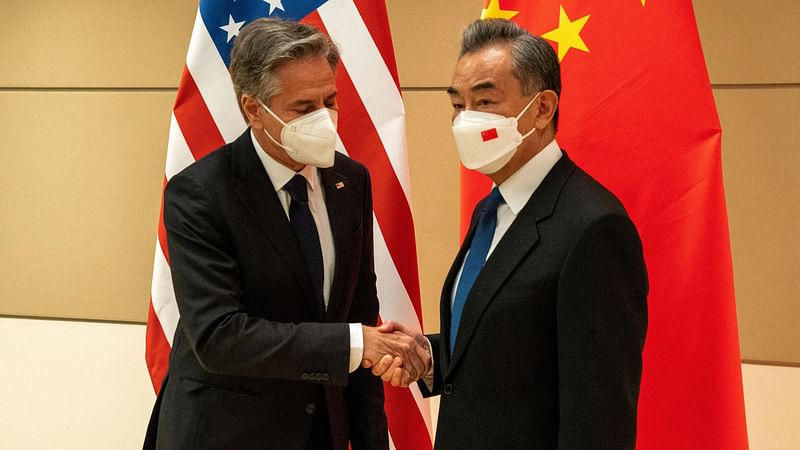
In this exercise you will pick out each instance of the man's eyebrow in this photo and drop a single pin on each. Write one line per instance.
(478, 87)
(301, 102)
(483, 86)
(307, 101)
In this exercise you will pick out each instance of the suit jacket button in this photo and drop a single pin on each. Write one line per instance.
(310, 408)
(447, 389)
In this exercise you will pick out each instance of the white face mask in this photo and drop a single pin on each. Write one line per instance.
(309, 139)
(486, 141)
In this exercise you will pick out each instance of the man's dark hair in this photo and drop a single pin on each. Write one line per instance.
(266, 44)
(533, 61)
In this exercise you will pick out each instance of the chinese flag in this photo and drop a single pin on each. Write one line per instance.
(638, 114)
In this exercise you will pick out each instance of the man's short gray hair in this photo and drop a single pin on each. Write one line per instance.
(264, 45)
(533, 61)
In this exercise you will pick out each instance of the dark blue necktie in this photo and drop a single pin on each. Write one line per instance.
(307, 235)
(478, 250)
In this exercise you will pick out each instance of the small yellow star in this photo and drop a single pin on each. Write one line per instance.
(567, 34)
(643, 2)
(493, 11)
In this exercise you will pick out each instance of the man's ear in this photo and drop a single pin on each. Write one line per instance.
(548, 102)
(251, 108)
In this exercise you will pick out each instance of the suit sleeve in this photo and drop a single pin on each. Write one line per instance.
(367, 420)
(601, 321)
(207, 282)
(436, 352)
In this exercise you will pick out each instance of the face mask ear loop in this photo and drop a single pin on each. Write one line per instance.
(265, 130)
(276, 142)
(526, 106)
(523, 112)
(271, 113)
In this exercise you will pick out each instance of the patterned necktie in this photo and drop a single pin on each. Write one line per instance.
(478, 250)
(307, 235)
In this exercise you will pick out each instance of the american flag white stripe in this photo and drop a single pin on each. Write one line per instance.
(372, 80)
(390, 286)
(214, 82)
(178, 154)
(163, 295)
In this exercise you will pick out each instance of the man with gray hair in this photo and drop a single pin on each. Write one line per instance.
(271, 255)
(543, 313)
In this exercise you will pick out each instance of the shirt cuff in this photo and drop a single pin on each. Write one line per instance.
(356, 346)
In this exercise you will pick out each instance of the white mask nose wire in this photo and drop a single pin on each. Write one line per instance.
(523, 112)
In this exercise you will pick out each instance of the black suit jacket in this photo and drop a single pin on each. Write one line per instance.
(548, 353)
(254, 358)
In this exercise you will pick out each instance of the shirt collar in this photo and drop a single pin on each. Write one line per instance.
(279, 174)
(520, 186)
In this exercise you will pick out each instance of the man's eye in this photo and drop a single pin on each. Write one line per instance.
(484, 102)
(458, 106)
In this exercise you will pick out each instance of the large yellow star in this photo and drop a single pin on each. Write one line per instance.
(643, 2)
(567, 34)
(493, 11)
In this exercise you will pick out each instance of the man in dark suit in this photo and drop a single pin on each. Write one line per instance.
(543, 312)
(271, 251)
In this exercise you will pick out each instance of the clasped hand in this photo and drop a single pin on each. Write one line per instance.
(396, 353)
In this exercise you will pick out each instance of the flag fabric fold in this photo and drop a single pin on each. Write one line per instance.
(371, 130)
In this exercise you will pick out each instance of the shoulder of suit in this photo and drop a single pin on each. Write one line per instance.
(210, 165)
(348, 166)
(590, 196)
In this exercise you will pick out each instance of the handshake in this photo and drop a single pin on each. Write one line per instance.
(396, 353)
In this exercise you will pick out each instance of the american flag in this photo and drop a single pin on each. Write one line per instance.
(371, 130)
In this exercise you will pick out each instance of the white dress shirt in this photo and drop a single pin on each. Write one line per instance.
(279, 175)
(517, 190)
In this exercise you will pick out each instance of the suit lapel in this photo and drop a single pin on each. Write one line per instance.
(337, 205)
(255, 190)
(518, 241)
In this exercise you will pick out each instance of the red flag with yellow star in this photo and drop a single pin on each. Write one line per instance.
(638, 114)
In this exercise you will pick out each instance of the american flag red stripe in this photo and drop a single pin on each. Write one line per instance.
(157, 346)
(162, 230)
(194, 118)
(372, 130)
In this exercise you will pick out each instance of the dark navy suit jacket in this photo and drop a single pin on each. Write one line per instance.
(548, 353)
(255, 357)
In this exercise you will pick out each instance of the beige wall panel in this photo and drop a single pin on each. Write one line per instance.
(426, 35)
(80, 188)
(747, 42)
(434, 184)
(772, 405)
(761, 162)
(91, 43)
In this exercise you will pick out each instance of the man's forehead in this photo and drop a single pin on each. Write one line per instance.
(481, 70)
(306, 79)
